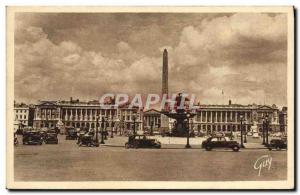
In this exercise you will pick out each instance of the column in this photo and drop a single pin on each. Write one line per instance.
(236, 117)
(201, 116)
(216, 118)
(206, 116)
(221, 116)
(211, 113)
(76, 114)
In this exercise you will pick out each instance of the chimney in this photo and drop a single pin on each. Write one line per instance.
(229, 102)
(71, 99)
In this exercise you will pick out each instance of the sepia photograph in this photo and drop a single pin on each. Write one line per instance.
(150, 98)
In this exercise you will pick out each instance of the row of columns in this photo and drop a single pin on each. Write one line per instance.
(155, 119)
(46, 113)
(229, 115)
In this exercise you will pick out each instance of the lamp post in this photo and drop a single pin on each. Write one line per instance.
(188, 115)
(245, 126)
(134, 119)
(267, 130)
(230, 126)
(102, 127)
(151, 127)
(241, 129)
(97, 126)
(263, 131)
(112, 127)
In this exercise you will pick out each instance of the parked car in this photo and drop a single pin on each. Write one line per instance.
(141, 141)
(88, 140)
(220, 142)
(32, 138)
(71, 133)
(277, 144)
(51, 137)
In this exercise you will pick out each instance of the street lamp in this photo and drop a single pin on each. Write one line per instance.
(112, 127)
(267, 130)
(263, 131)
(245, 127)
(230, 126)
(134, 119)
(151, 126)
(97, 126)
(105, 126)
(102, 128)
(241, 129)
(188, 115)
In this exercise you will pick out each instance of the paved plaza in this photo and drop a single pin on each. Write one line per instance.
(68, 162)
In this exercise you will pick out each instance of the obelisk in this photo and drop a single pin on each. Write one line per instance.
(165, 73)
(164, 119)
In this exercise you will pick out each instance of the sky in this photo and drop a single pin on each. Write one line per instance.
(84, 55)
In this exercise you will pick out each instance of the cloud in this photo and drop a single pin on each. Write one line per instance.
(243, 54)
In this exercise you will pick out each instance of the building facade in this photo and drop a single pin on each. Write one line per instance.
(211, 118)
(23, 115)
(80, 114)
(152, 118)
(283, 119)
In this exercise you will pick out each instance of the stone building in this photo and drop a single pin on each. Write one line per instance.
(152, 117)
(283, 118)
(83, 114)
(212, 118)
(23, 115)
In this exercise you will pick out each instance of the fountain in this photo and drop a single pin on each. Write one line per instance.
(181, 116)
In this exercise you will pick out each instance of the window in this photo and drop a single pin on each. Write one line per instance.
(24, 116)
(17, 111)
(20, 116)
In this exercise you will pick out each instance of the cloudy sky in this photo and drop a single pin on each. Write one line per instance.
(85, 55)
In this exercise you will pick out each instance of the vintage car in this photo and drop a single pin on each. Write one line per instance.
(88, 140)
(220, 142)
(141, 141)
(71, 133)
(51, 137)
(277, 144)
(32, 138)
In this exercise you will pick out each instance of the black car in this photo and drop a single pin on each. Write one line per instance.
(220, 142)
(277, 144)
(88, 140)
(141, 141)
(32, 138)
(71, 133)
(51, 137)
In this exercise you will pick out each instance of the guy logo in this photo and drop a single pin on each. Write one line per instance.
(264, 161)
